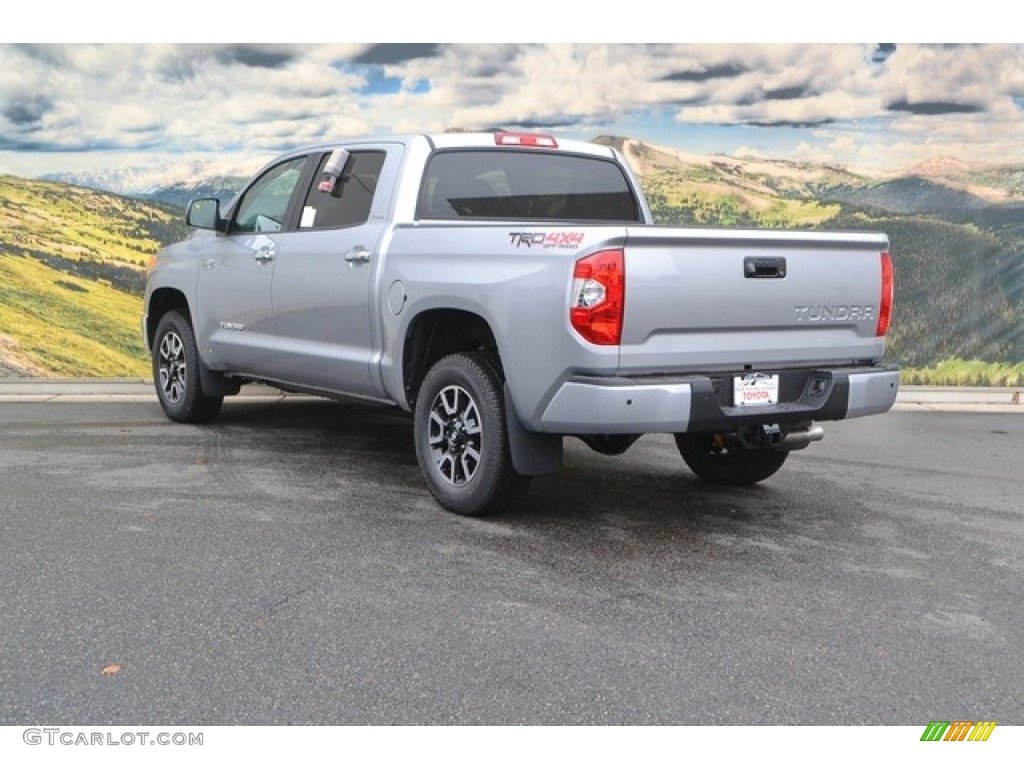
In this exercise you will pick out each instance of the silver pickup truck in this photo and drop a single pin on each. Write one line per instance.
(508, 290)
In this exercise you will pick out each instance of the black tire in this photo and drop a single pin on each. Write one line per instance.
(176, 372)
(462, 437)
(718, 464)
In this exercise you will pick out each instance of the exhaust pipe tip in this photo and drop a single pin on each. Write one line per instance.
(801, 438)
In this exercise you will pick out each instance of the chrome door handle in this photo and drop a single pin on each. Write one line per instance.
(263, 255)
(358, 254)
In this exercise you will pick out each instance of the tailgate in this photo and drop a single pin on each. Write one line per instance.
(706, 300)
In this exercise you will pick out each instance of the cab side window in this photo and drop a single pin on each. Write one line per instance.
(265, 203)
(321, 210)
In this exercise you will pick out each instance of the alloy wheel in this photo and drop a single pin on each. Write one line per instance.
(455, 435)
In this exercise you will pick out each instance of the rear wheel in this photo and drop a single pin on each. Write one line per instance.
(462, 437)
(716, 462)
(176, 372)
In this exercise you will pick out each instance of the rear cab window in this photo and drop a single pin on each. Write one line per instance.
(525, 185)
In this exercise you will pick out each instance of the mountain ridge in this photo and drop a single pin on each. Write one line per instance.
(993, 183)
(977, 184)
(70, 250)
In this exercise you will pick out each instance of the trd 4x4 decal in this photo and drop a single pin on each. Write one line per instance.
(546, 239)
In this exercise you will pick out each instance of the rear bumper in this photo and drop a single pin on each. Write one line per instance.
(615, 405)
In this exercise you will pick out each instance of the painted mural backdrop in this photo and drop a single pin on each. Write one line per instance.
(101, 145)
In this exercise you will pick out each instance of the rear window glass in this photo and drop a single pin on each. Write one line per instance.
(513, 184)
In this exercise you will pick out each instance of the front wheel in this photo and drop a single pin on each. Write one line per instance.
(714, 461)
(462, 436)
(176, 372)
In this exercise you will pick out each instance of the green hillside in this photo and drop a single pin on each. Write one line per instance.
(958, 289)
(959, 271)
(700, 199)
(72, 260)
(72, 272)
(959, 286)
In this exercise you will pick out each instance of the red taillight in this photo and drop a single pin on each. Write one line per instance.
(506, 138)
(599, 296)
(885, 304)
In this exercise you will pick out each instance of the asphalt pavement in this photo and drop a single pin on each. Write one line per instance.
(286, 565)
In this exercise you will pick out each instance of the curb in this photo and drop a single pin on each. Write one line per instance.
(26, 390)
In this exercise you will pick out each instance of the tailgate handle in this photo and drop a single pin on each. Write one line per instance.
(764, 266)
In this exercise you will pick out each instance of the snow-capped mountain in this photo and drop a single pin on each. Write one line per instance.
(152, 180)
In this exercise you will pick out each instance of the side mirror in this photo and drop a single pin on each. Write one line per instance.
(204, 213)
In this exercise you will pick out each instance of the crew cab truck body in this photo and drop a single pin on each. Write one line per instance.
(508, 290)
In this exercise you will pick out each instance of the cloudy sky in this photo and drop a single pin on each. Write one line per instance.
(875, 106)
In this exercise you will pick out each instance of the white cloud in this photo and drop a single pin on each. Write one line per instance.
(983, 75)
(223, 98)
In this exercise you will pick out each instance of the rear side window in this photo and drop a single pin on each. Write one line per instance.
(324, 211)
(513, 184)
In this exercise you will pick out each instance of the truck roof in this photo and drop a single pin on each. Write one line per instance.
(517, 139)
(456, 139)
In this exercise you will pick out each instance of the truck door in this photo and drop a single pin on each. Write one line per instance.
(323, 280)
(235, 321)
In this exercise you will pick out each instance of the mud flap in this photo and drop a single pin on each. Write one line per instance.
(533, 453)
(215, 385)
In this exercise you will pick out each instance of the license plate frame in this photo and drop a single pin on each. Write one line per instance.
(750, 390)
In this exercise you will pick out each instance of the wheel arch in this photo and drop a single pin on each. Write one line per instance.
(162, 301)
(437, 333)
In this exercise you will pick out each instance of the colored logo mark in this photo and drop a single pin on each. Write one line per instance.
(958, 730)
